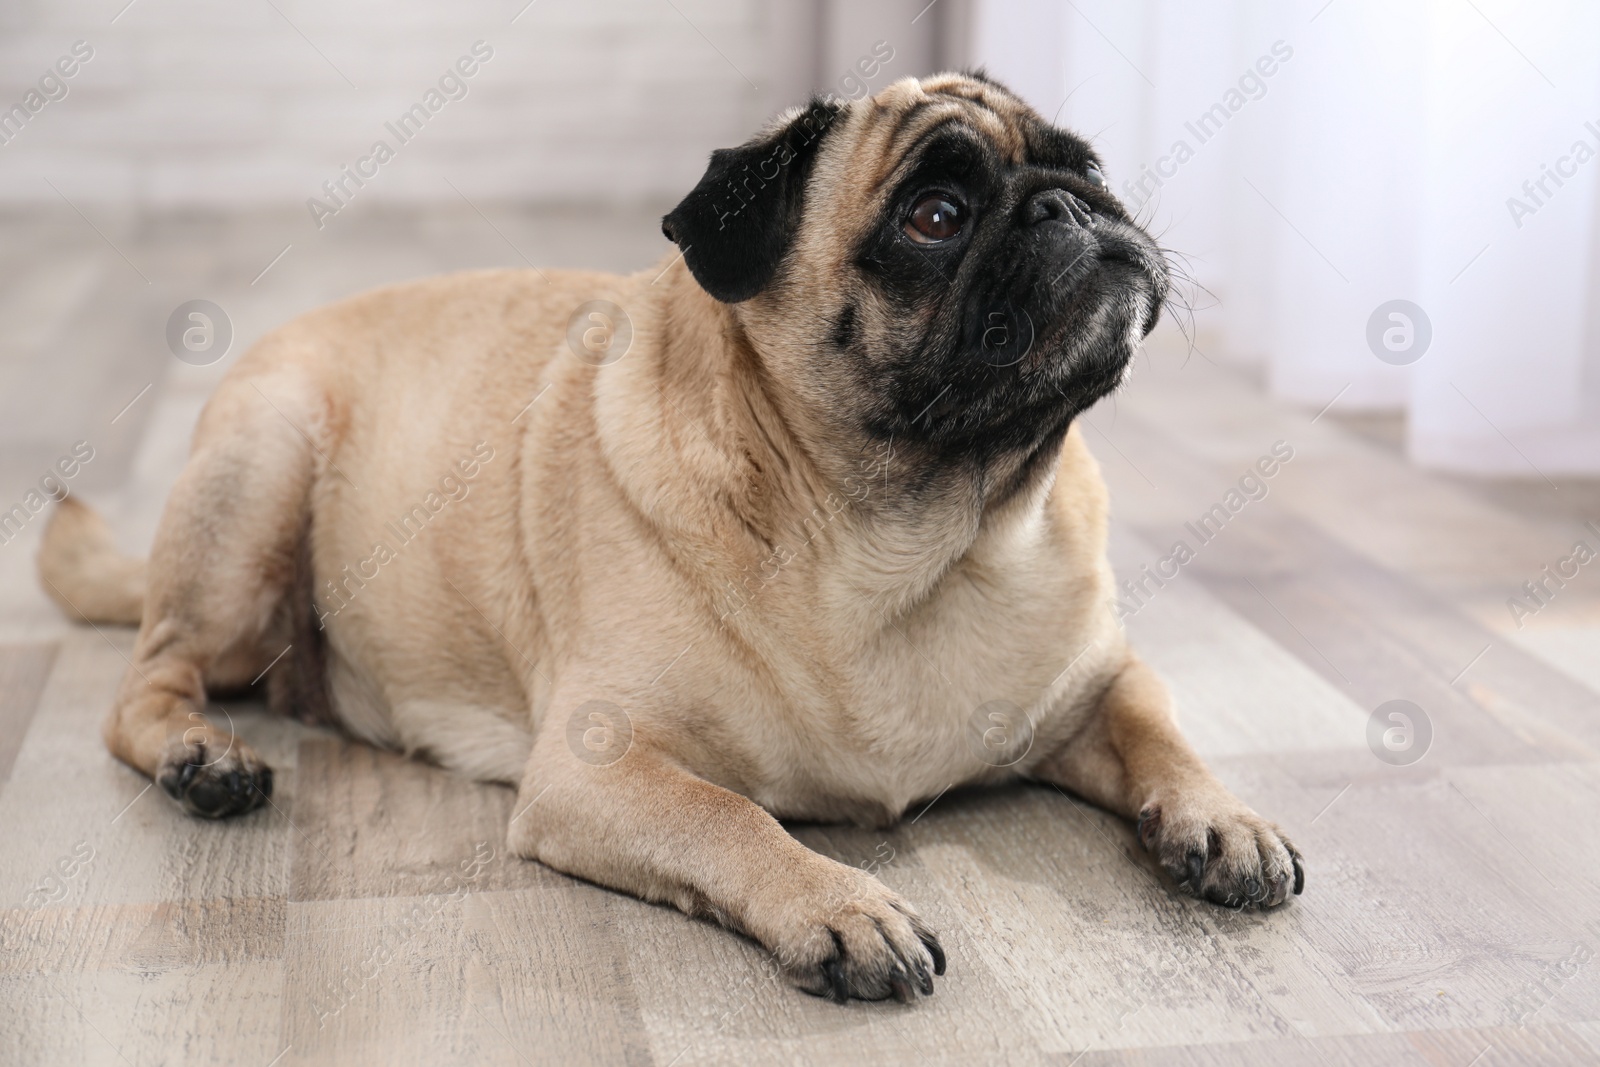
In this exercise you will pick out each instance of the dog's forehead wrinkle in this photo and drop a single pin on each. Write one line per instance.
(913, 121)
(980, 91)
(913, 140)
(1027, 135)
(897, 144)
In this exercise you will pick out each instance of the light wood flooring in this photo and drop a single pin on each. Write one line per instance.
(1451, 915)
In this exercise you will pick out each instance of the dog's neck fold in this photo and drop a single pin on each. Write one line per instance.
(748, 494)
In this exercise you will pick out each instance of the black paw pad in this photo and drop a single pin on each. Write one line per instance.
(215, 787)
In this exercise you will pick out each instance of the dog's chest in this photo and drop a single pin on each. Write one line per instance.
(976, 692)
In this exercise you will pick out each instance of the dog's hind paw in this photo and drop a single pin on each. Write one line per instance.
(213, 783)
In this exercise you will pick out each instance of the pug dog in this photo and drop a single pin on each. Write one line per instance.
(795, 524)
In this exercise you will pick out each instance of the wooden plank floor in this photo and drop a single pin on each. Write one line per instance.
(371, 916)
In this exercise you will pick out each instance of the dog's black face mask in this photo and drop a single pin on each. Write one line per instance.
(997, 290)
(1026, 281)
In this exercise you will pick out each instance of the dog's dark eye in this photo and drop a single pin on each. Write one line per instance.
(935, 218)
(1094, 175)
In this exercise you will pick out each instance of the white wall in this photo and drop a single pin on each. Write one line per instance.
(203, 102)
(227, 103)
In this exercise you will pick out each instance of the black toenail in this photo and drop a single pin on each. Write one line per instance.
(935, 950)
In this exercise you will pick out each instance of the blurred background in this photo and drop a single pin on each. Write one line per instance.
(1387, 217)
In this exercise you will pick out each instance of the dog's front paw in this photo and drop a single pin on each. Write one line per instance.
(856, 938)
(214, 778)
(1215, 847)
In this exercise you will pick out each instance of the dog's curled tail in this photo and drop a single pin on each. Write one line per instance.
(84, 573)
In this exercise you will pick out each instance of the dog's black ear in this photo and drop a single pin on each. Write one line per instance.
(735, 226)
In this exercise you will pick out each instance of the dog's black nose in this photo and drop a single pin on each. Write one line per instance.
(1055, 205)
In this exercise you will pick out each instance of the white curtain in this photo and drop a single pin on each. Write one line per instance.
(1394, 205)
